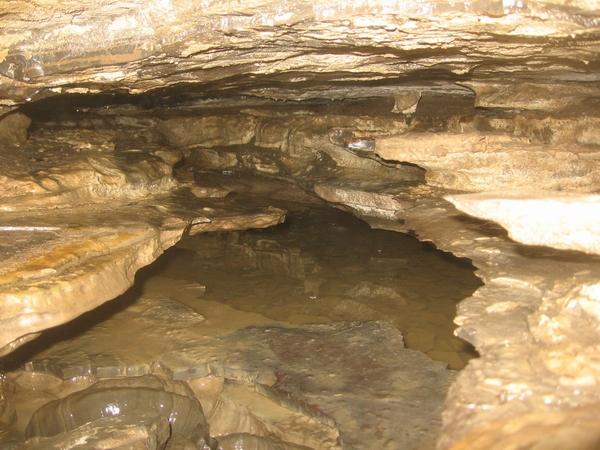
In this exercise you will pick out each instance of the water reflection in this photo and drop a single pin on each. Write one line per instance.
(325, 265)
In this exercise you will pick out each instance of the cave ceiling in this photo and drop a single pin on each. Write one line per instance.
(298, 50)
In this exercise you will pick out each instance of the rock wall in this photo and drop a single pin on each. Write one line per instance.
(388, 109)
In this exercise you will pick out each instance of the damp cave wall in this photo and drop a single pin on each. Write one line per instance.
(423, 100)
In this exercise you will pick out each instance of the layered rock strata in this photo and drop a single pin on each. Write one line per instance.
(276, 49)
(529, 68)
(80, 218)
(534, 322)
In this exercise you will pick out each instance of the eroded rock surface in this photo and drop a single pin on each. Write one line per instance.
(80, 218)
(143, 46)
(536, 310)
(475, 161)
(481, 95)
(320, 380)
(128, 398)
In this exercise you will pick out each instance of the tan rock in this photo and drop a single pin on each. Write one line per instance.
(140, 432)
(406, 102)
(476, 161)
(67, 260)
(569, 429)
(158, 45)
(126, 399)
(210, 191)
(560, 220)
(209, 159)
(535, 320)
(368, 203)
(536, 96)
(13, 128)
(231, 360)
(245, 440)
(241, 409)
(208, 131)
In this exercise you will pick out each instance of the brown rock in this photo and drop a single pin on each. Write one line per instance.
(13, 128)
(134, 432)
(569, 429)
(208, 131)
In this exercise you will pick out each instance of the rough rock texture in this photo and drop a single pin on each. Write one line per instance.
(141, 46)
(476, 161)
(327, 94)
(534, 324)
(574, 429)
(79, 221)
(307, 384)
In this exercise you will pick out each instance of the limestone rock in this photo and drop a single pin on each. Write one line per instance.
(530, 68)
(334, 373)
(533, 323)
(243, 410)
(208, 131)
(475, 161)
(13, 128)
(141, 46)
(406, 102)
(147, 432)
(582, 129)
(533, 96)
(366, 202)
(555, 219)
(62, 262)
(76, 259)
(246, 441)
(569, 429)
(56, 170)
(210, 191)
(124, 397)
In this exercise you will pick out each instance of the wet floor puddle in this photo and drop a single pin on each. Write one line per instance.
(324, 265)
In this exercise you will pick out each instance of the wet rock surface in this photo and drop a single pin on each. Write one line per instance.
(385, 109)
(536, 310)
(125, 398)
(80, 219)
(140, 431)
(307, 385)
(324, 378)
(323, 265)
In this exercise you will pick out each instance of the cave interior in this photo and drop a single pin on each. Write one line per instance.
(300, 225)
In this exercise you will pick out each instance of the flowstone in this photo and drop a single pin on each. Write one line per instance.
(132, 399)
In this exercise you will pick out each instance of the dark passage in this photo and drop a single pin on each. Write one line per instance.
(325, 265)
